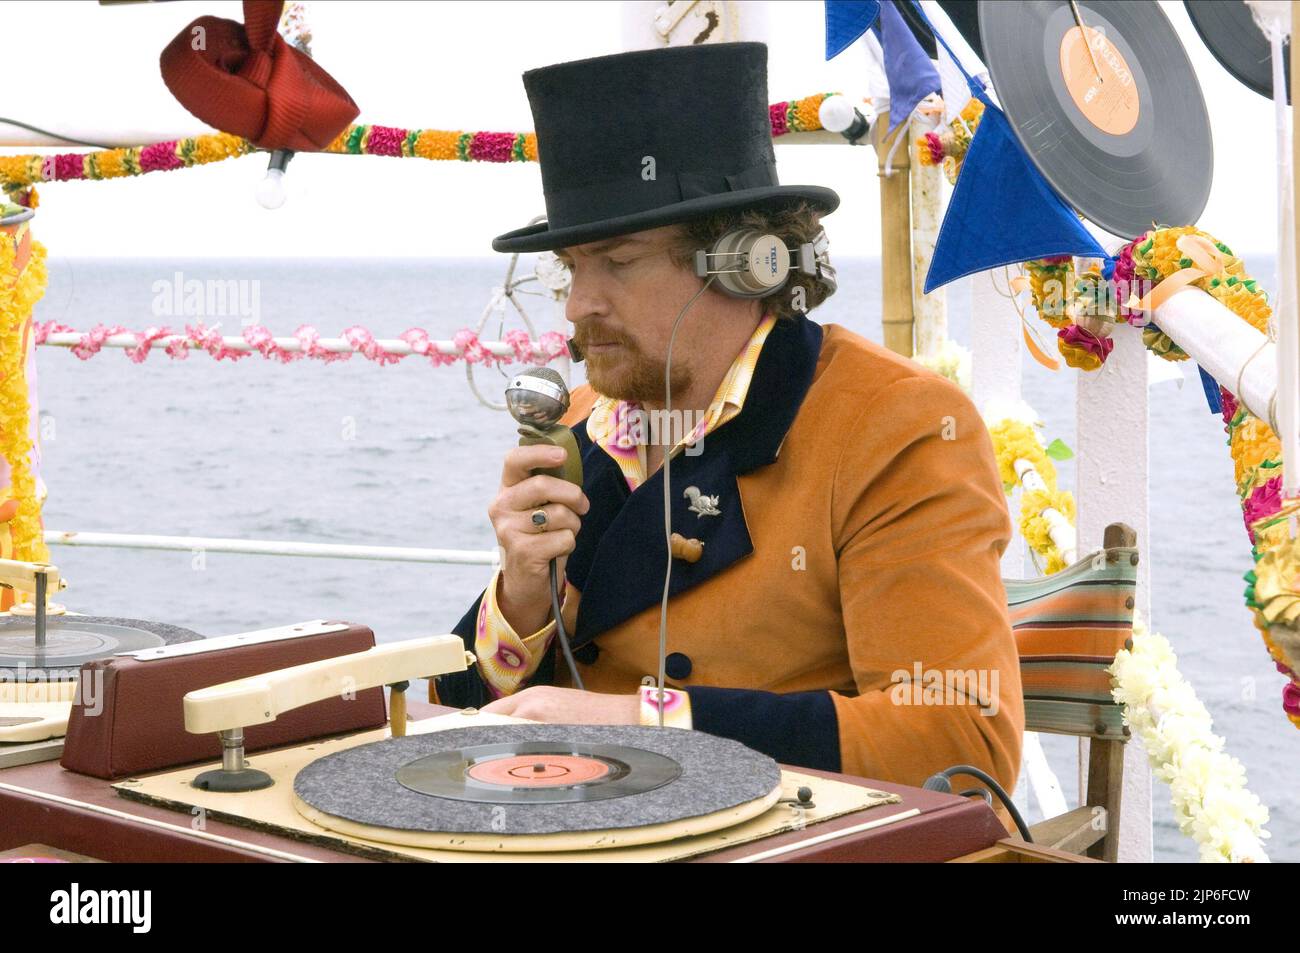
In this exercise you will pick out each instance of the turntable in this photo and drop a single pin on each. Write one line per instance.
(42, 650)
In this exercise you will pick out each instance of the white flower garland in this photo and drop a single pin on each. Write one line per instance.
(1207, 786)
(952, 360)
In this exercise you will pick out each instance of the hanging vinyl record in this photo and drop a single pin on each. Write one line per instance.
(1109, 111)
(1239, 45)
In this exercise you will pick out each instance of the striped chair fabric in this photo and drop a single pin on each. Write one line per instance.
(1068, 627)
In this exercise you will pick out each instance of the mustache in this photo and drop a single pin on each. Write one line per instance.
(585, 337)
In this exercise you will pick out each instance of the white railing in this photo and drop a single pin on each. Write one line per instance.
(268, 547)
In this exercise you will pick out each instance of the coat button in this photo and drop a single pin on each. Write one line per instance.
(677, 666)
(588, 654)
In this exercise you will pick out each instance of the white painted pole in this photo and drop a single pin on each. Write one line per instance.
(1112, 479)
(996, 374)
(1288, 324)
(1230, 350)
(929, 311)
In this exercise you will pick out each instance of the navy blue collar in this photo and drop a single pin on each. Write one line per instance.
(620, 558)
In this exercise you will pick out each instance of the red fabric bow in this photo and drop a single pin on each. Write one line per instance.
(246, 80)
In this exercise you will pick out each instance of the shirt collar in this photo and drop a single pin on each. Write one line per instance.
(607, 425)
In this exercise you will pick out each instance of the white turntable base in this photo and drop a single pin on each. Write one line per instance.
(274, 809)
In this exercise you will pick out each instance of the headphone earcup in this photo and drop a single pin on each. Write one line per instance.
(749, 263)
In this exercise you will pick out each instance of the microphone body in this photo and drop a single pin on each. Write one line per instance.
(537, 398)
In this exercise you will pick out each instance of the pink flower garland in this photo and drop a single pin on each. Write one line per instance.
(1263, 502)
(1085, 339)
(1229, 402)
(549, 346)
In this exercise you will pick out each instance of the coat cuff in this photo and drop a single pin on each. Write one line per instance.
(800, 729)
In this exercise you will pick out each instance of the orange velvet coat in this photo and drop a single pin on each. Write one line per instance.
(848, 612)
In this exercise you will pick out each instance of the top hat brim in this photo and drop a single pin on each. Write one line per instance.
(540, 237)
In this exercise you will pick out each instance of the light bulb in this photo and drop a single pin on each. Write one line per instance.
(270, 191)
(836, 113)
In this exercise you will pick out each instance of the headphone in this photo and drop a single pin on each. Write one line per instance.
(758, 265)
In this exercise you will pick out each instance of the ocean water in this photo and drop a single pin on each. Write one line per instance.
(404, 455)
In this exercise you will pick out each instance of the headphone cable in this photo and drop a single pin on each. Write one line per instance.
(668, 507)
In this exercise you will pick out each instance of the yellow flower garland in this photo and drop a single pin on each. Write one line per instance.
(1015, 440)
(18, 294)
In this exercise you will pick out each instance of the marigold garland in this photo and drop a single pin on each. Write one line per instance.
(1017, 440)
(1273, 591)
(950, 146)
(18, 294)
(18, 172)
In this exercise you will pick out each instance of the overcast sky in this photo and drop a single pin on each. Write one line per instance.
(451, 65)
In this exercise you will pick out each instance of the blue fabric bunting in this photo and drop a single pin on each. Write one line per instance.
(1212, 396)
(1002, 210)
(910, 71)
(846, 20)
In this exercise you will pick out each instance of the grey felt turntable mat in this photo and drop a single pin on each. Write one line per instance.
(148, 634)
(360, 784)
(170, 634)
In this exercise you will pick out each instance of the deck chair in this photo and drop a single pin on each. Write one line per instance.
(1068, 627)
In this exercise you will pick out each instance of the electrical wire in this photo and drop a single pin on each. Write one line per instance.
(559, 627)
(53, 135)
(943, 782)
(668, 504)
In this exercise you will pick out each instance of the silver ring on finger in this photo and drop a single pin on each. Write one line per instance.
(540, 519)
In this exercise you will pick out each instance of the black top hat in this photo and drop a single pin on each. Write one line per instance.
(700, 112)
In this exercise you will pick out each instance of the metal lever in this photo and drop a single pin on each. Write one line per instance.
(230, 707)
(32, 577)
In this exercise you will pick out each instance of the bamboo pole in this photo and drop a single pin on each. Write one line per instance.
(895, 238)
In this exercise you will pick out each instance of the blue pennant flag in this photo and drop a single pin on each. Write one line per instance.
(1002, 210)
(1211, 387)
(846, 20)
(911, 73)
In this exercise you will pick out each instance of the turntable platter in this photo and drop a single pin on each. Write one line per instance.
(538, 787)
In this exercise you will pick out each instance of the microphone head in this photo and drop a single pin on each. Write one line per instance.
(537, 396)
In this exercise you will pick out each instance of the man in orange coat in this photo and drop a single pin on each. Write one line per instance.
(841, 606)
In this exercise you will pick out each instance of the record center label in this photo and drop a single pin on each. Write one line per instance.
(1109, 101)
(539, 770)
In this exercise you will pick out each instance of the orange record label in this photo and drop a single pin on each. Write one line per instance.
(539, 770)
(1109, 100)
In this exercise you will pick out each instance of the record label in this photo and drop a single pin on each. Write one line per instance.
(1099, 81)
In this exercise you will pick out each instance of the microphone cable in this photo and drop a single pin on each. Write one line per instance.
(560, 631)
(668, 505)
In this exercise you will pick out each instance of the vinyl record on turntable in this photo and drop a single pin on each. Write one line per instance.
(73, 640)
(533, 787)
(1118, 125)
(1239, 45)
